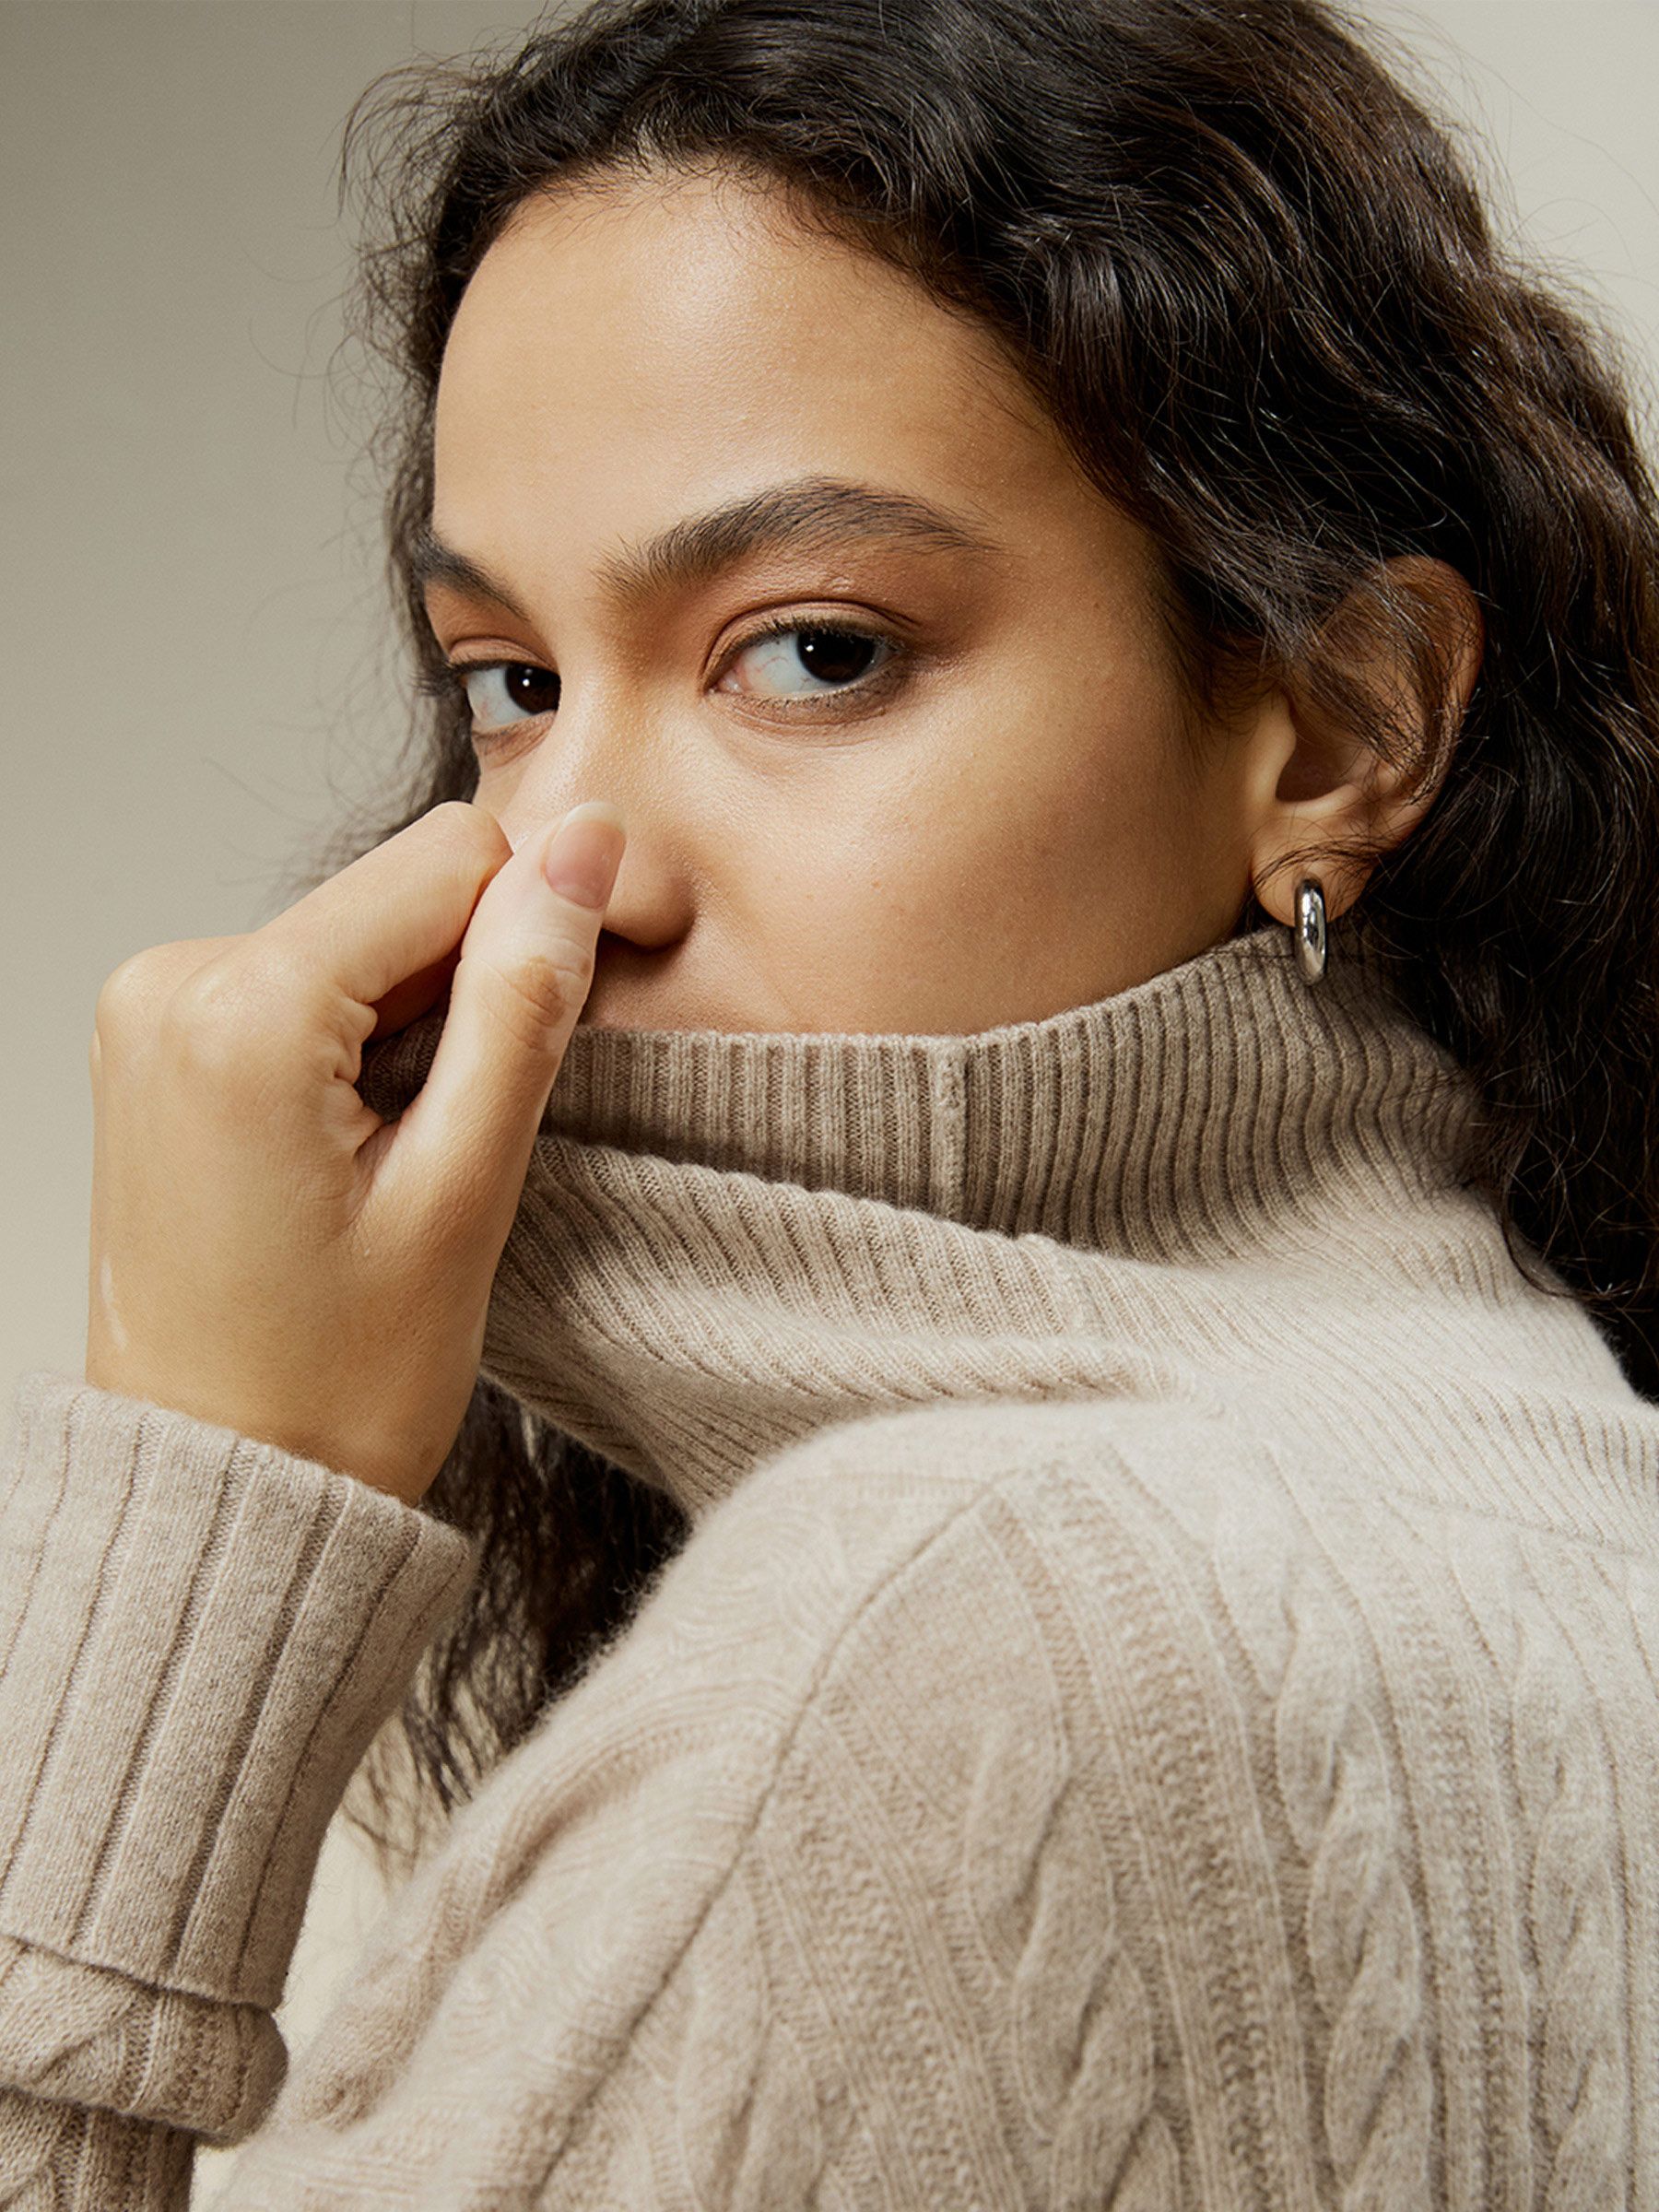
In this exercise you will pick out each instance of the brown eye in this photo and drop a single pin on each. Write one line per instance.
(806, 660)
(499, 692)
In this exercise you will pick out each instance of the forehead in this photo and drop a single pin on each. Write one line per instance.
(692, 324)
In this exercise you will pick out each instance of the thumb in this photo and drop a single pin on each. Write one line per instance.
(525, 969)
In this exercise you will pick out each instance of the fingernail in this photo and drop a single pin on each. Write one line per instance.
(582, 859)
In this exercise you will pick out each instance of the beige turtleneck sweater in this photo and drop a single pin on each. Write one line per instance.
(1159, 1707)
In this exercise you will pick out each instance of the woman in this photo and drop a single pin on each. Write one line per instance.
(1047, 1593)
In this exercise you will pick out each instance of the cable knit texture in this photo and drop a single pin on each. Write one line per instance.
(1159, 1707)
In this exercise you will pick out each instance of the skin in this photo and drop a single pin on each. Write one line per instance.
(1000, 822)
(1016, 827)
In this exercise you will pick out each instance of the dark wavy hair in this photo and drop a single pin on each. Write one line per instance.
(1253, 282)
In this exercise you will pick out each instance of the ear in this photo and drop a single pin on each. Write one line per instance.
(1313, 781)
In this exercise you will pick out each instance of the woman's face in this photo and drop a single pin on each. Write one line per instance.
(951, 791)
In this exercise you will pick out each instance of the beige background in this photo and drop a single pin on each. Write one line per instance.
(195, 670)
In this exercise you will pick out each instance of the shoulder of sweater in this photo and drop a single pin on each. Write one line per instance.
(1566, 1472)
(1193, 1522)
(865, 1556)
(879, 1493)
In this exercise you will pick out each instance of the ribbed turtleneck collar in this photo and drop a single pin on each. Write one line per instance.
(725, 1240)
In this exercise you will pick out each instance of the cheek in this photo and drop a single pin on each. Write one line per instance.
(1072, 790)
(999, 809)
(986, 856)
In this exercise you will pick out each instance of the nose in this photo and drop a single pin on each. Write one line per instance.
(586, 754)
(650, 902)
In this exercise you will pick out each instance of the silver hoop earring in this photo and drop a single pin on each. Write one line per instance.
(1308, 929)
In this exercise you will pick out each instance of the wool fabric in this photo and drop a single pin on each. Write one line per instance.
(1158, 1707)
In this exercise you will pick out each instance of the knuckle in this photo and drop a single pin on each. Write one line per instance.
(134, 994)
(539, 991)
(125, 993)
(203, 998)
(215, 1018)
(191, 1026)
(204, 1006)
(120, 990)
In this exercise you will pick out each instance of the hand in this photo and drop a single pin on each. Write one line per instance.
(266, 1252)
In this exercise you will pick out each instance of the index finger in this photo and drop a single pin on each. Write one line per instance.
(398, 910)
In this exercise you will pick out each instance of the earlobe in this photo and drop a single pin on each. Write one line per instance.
(1301, 798)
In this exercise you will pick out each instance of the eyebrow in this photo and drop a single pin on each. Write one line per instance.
(810, 514)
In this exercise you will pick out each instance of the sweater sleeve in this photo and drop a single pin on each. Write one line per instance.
(199, 1635)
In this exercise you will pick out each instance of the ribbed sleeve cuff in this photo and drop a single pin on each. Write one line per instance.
(199, 1635)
